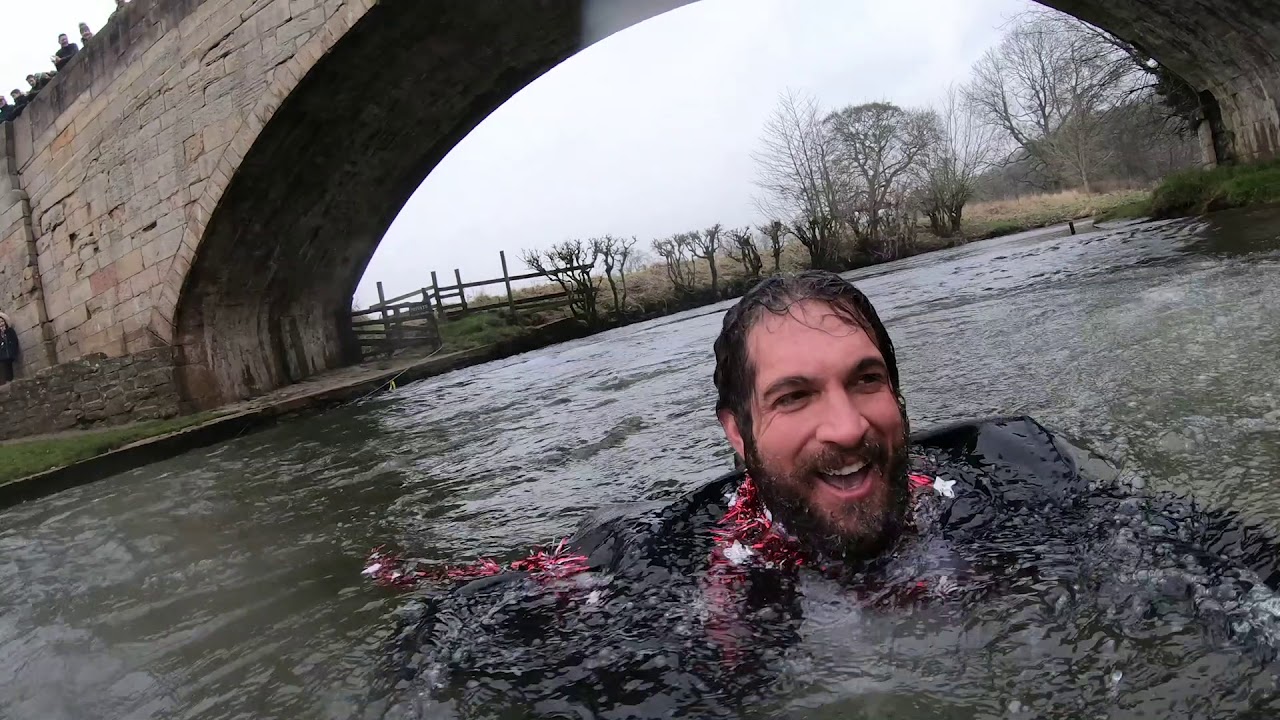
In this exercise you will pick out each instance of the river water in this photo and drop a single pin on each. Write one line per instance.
(226, 582)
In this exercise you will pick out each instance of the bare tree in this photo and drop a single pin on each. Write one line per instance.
(706, 245)
(744, 251)
(615, 252)
(960, 151)
(899, 225)
(676, 254)
(819, 235)
(1049, 85)
(775, 231)
(877, 146)
(570, 263)
(795, 172)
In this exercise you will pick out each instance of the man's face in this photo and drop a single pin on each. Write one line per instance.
(62, 40)
(827, 442)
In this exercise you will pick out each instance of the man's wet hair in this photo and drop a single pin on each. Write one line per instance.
(735, 374)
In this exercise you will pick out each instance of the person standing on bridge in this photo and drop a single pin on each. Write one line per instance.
(37, 81)
(85, 33)
(8, 349)
(20, 101)
(66, 51)
(6, 110)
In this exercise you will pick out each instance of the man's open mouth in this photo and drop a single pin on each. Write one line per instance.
(849, 479)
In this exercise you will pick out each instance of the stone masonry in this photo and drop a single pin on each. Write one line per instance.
(213, 176)
(93, 391)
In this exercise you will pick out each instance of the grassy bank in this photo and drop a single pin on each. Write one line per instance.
(21, 458)
(474, 331)
(1004, 217)
(1193, 192)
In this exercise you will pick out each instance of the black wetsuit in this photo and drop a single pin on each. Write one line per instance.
(1027, 539)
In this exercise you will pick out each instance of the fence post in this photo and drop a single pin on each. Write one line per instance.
(462, 294)
(506, 279)
(435, 288)
(395, 336)
(382, 302)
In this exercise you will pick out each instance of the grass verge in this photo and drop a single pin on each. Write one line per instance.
(474, 331)
(1193, 192)
(1004, 217)
(27, 457)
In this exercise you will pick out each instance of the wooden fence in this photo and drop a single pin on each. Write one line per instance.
(413, 319)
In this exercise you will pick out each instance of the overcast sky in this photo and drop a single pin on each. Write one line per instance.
(647, 133)
(650, 131)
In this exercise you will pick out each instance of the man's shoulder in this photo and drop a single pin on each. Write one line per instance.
(611, 536)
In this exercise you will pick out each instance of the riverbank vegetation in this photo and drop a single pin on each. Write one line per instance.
(1198, 191)
(21, 458)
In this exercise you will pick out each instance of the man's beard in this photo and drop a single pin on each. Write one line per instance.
(863, 529)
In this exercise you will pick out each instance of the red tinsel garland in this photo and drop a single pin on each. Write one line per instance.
(747, 533)
(390, 570)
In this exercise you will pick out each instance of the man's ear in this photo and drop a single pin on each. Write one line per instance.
(732, 432)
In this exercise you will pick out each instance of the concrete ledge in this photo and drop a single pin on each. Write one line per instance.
(266, 411)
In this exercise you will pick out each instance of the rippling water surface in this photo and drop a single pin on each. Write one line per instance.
(225, 583)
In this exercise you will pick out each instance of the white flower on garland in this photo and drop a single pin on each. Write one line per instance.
(738, 554)
(944, 487)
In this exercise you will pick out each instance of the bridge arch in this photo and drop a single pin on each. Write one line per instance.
(282, 197)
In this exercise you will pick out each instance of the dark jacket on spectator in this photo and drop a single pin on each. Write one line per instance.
(65, 53)
(8, 345)
(40, 80)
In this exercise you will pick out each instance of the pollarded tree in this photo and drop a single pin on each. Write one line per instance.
(616, 253)
(743, 250)
(706, 245)
(569, 264)
(819, 235)
(775, 231)
(677, 258)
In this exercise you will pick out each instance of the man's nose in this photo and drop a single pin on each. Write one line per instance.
(842, 423)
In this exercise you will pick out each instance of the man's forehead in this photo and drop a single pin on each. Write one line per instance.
(808, 336)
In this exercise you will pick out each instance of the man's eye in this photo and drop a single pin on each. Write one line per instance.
(871, 379)
(790, 399)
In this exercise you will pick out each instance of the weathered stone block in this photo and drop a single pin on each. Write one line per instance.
(155, 377)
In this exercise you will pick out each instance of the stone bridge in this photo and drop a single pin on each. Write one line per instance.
(214, 176)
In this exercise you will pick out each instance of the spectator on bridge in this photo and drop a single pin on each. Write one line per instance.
(20, 101)
(66, 51)
(85, 33)
(6, 110)
(37, 81)
(8, 349)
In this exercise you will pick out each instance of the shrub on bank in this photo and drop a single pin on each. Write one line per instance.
(1192, 192)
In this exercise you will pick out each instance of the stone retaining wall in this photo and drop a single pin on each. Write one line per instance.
(93, 391)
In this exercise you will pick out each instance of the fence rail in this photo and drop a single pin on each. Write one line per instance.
(413, 319)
